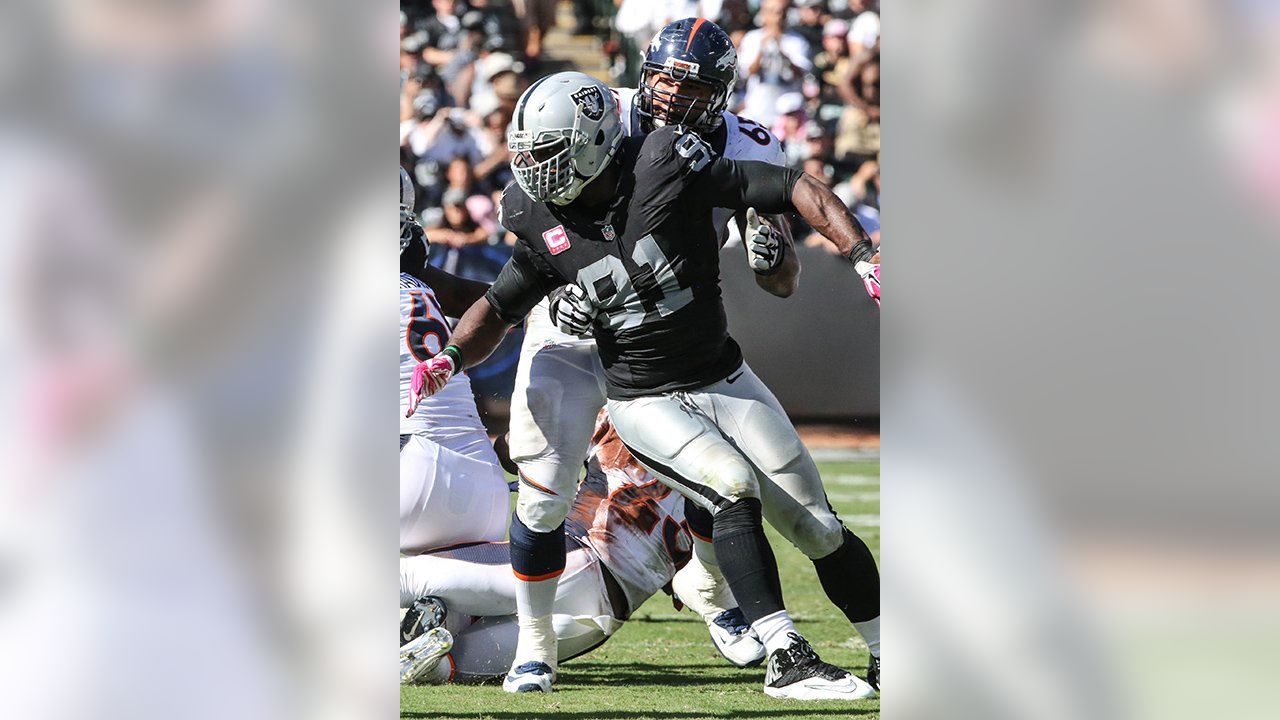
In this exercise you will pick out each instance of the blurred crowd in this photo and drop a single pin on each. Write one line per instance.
(807, 69)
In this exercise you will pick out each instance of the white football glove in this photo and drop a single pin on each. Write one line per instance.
(571, 310)
(764, 245)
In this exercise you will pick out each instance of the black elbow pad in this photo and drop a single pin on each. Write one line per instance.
(767, 188)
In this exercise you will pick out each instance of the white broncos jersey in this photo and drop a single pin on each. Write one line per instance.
(743, 139)
(449, 417)
(633, 523)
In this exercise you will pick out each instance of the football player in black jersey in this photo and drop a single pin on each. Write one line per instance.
(628, 222)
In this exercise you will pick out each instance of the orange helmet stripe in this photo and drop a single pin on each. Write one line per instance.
(692, 33)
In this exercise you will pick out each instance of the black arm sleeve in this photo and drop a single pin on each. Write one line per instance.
(524, 280)
(741, 184)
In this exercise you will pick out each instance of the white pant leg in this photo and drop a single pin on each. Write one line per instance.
(558, 394)
(467, 587)
(447, 498)
(683, 447)
(582, 619)
(791, 491)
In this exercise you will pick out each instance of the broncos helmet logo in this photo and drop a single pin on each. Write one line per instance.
(728, 60)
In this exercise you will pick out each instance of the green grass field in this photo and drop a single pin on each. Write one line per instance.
(661, 663)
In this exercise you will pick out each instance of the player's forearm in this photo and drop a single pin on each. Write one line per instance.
(829, 217)
(478, 334)
(456, 295)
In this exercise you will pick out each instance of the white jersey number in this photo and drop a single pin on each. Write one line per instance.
(628, 300)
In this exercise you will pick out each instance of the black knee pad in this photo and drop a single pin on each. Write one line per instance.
(738, 517)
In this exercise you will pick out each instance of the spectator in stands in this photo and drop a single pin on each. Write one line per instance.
(445, 137)
(456, 227)
(774, 61)
(501, 26)
(831, 65)
(458, 72)
(585, 12)
(538, 17)
(494, 171)
(791, 126)
(735, 19)
(818, 142)
(442, 33)
(505, 81)
(864, 32)
(807, 20)
(859, 130)
(862, 188)
(490, 69)
(817, 168)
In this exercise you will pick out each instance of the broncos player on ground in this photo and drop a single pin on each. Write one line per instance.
(452, 489)
(627, 537)
(626, 225)
(689, 75)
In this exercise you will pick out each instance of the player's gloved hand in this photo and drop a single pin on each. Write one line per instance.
(571, 310)
(764, 245)
(870, 278)
(428, 377)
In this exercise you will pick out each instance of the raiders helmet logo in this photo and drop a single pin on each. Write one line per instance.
(590, 102)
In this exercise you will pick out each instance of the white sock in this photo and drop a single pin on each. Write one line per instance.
(537, 639)
(701, 587)
(773, 630)
(870, 632)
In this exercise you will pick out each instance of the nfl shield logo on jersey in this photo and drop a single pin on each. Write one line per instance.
(557, 239)
(608, 233)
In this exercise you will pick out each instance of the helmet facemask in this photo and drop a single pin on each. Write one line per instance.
(661, 107)
(408, 221)
(545, 163)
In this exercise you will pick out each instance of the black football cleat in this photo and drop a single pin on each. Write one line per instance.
(797, 673)
(425, 614)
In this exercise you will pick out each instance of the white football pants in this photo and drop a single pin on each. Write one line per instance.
(732, 440)
(479, 592)
(448, 498)
(558, 393)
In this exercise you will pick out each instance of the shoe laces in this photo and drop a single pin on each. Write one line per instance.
(802, 652)
(800, 648)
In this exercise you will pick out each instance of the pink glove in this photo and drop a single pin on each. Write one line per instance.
(428, 378)
(870, 278)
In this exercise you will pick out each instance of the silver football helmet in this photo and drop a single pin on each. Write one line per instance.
(407, 219)
(564, 131)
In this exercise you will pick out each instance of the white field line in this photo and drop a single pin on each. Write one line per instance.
(843, 454)
(854, 497)
(851, 480)
(689, 616)
(862, 521)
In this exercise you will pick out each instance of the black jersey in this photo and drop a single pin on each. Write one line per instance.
(649, 258)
